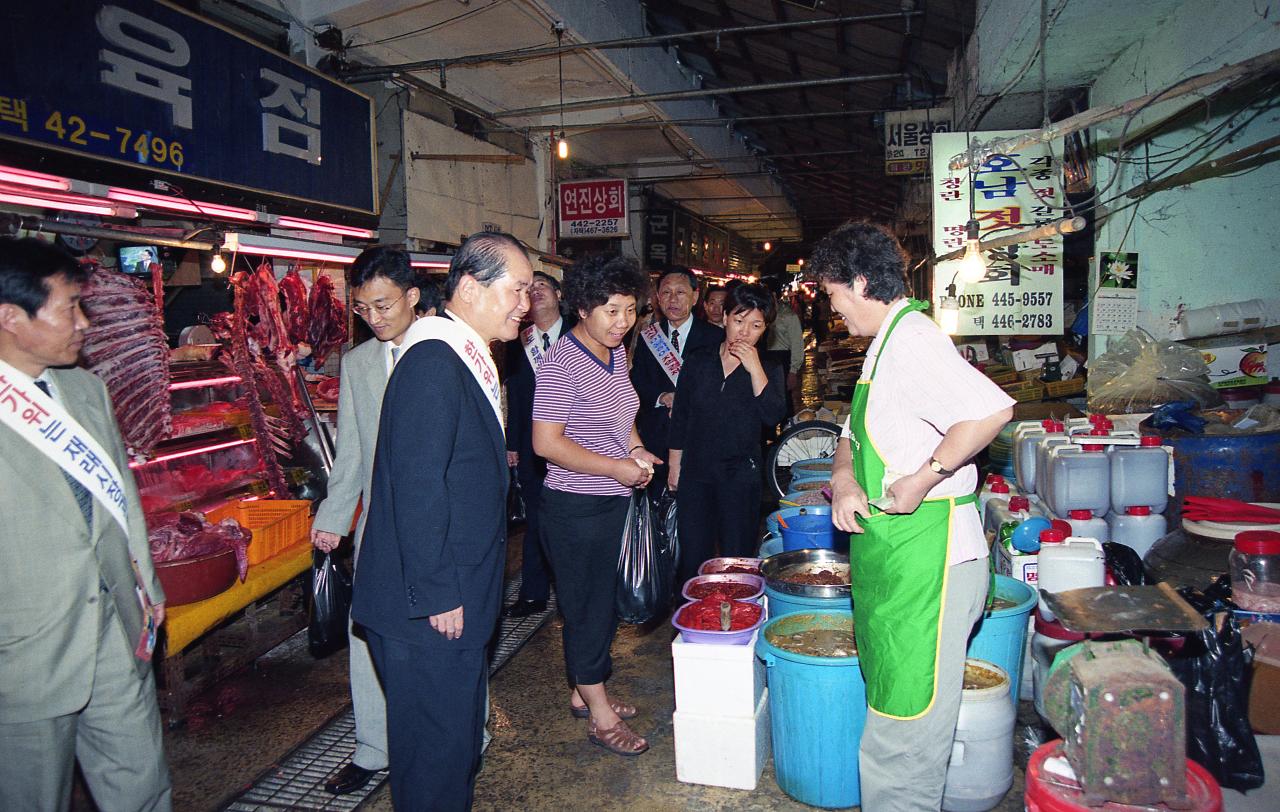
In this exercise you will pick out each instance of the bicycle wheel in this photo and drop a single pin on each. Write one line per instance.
(803, 441)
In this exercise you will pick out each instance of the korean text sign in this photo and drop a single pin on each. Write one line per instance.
(907, 137)
(1022, 289)
(593, 208)
(144, 83)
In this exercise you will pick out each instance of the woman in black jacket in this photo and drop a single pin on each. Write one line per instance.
(724, 398)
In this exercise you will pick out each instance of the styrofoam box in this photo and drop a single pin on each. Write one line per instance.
(722, 751)
(717, 680)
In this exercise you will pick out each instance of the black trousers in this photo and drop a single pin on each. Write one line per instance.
(535, 579)
(435, 721)
(584, 536)
(717, 517)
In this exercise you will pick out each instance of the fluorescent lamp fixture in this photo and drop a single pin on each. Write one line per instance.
(173, 387)
(973, 267)
(562, 146)
(241, 243)
(326, 228)
(54, 200)
(148, 200)
(438, 262)
(39, 180)
(177, 455)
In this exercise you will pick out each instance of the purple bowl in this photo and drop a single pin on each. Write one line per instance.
(741, 637)
(715, 566)
(756, 582)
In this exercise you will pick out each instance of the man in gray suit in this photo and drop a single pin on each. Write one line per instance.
(75, 565)
(384, 289)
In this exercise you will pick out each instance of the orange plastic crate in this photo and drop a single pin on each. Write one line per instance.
(277, 524)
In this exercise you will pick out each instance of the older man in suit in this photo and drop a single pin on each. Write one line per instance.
(661, 347)
(79, 599)
(385, 291)
(429, 585)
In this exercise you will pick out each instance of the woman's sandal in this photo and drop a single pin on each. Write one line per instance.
(618, 739)
(623, 710)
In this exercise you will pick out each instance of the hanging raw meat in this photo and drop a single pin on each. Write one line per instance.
(297, 312)
(126, 347)
(265, 321)
(328, 320)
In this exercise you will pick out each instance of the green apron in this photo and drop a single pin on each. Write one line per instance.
(898, 568)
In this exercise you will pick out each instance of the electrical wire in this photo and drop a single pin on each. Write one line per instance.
(1031, 60)
(415, 32)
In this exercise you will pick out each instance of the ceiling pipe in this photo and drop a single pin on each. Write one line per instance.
(727, 120)
(723, 175)
(521, 54)
(12, 224)
(675, 95)
(726, 159)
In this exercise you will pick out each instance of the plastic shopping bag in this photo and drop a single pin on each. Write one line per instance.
(515, 500)
(646, 564)
(330, 605)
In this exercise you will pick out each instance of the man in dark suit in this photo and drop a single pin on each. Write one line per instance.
(523, 357)
(429, 585)
(655, 368)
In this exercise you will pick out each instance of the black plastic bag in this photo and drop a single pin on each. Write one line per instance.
(1215, 669)
(330, 605)
(515, 500)
(664, 518)
(1125, 564)
(646, 565)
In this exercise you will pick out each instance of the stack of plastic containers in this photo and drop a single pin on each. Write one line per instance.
(1139, 493)
(1026, 439)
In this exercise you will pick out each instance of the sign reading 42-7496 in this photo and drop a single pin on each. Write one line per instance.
(145, 83)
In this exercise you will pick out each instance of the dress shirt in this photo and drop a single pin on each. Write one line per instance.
(922, 388)
(551, 335)
(392, 352)
(683, 331)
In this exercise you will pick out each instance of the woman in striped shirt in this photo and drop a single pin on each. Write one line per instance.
(584, 425)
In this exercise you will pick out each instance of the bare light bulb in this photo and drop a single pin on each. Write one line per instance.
(973, 267)
(768, 246)
(217, 264)
(562, 147)
(949, 315)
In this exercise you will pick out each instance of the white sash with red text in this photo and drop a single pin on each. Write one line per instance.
(531, 349)
(41, 421)
(467, 345)
(667, 357)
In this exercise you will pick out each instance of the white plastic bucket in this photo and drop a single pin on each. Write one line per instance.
(980, 772)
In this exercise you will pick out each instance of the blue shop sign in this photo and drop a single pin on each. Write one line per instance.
(145, 83)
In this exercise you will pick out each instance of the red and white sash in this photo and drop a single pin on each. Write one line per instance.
(43, 422)
(662, 351)
(467, 345)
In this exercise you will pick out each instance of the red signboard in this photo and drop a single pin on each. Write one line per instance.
(593, 208)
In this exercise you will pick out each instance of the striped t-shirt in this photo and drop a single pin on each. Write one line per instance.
(597, 405)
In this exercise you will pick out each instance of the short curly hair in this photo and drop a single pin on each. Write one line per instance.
(590, 283)
(861, 249)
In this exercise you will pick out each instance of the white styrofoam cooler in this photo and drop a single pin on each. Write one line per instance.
(714, 680)
(722, 751)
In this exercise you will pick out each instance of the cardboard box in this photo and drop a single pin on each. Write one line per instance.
(722, 751)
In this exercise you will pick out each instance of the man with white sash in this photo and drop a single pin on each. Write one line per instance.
(524, 356)
(429, 585)
(656, 368)
(80, 603)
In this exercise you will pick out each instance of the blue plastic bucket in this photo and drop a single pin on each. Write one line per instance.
(780, 603)
(771, 525)
(818, 707)
(772, 545)
(809, 531)
(815, 468)
(1000, 636)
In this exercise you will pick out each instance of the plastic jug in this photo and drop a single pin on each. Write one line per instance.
(1078, 479)
(993, 490)
(1044, 451)
(1068, 563)
(1000, 512)
(1085, 525)
(1140, 476)
(1024, 455)
(1138, 528)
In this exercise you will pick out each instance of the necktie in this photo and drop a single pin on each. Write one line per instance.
(83, 498)
(395, 355)
(546, 342)
(675, 340)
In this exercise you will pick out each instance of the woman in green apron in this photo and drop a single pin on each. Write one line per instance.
(903, 487)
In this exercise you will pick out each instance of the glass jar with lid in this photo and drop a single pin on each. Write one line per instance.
(1255, 571)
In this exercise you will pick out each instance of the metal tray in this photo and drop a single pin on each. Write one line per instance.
(776, 565)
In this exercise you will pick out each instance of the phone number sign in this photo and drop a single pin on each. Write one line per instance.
(593, 208)
(144, 83)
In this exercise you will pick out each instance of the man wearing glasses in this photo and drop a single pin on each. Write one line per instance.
(384, 291)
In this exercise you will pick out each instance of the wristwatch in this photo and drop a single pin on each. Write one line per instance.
(937, 467)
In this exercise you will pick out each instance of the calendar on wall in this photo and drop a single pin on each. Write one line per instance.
(1115, 300)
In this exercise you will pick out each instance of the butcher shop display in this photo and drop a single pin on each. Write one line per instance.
(126, 347)
(297, 311)
(179, 536)
(328, 327)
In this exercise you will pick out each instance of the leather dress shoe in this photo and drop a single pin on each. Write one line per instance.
(523, 608)
(349, 779)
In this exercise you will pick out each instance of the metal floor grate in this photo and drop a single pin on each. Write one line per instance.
(297, 783)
